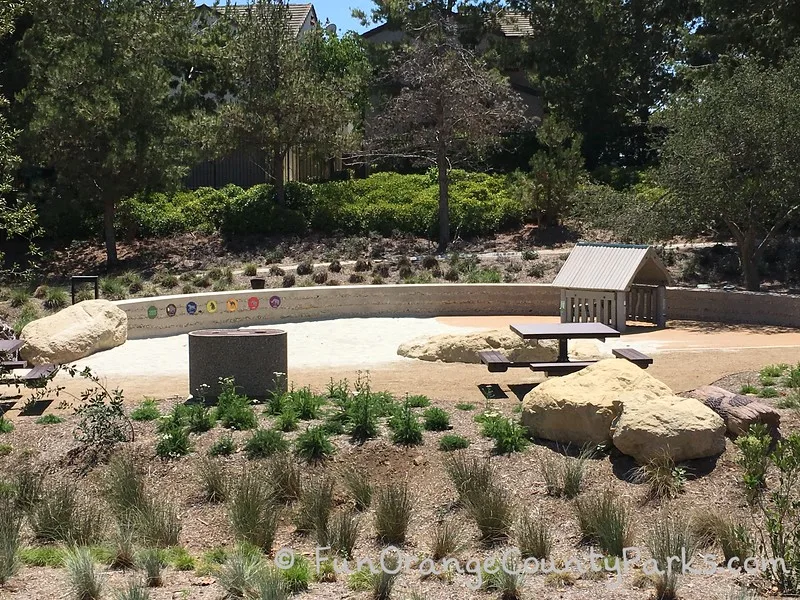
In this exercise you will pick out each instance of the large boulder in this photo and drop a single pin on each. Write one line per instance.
(683, 428)
(579, 408)
(75, 332)
(464, 347)
(739, 412)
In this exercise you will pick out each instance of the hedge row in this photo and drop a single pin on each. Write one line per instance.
(385, 203)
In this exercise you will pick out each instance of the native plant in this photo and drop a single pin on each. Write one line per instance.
(754, 458)
(10, 524)
(669, 539)
(254, 510)
(83, 576)
(359, 487)
(604, 519)
(393, 506)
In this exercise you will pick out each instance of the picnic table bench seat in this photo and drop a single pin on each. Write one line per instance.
(37, 373)
(634, 356)
(13, 364)
(499, 362)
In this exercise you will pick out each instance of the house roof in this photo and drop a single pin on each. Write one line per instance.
(611, 267)
(298, 14)
(510, 23)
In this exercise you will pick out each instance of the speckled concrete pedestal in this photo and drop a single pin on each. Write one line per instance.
(251, 356)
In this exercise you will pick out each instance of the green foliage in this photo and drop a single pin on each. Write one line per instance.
(213, 479)
(448, 539)
(133, 590)
(436, 419)
(452, 442)
(314, 444)
(49, 419)
(287, 420)
(84, 580)
(393, 506)
(359, 487)
(250, 270)
(42, 556)
(63, 516)
(605, 520)
(665, 481)
(316, 504)
(748, 389)
(151, 561)
(342, 533)
(305, 403)
(792, 379)
(224, 446)
(533, 537)
(754, 459)
(146, 411)
(284, 473)
(710, 527)
(113, 288)
(6, 426)
(55, 299)
(10, 525)
(362, 418)
(297, 577)
(158, 523)
(234, 410)
(508, 435)
(465, 406)
(124, 486)
(173, 443)
(27, 314)
(240, 573)
(264, 443)
(19, 297)
(670, 537)
(28, 484)
(121, 546)
(6, 449)
(563, 476)
(253, 510)
(405, 426)
(101, 417)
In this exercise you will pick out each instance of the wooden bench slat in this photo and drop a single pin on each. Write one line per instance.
(496, 361)
(40, 372)
(13, 364)
(631, 354)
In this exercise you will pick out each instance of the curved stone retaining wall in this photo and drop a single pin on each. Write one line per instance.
(170, 315)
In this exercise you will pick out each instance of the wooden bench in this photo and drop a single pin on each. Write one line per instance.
(13, 364)
(634, 356)
(553, 369)
(499, 362)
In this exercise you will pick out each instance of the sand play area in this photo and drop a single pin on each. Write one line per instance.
(687, 354)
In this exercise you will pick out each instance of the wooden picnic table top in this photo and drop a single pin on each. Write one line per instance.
(10, 345)
(564, 331)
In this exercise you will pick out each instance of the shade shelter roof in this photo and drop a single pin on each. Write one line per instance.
(611, 267)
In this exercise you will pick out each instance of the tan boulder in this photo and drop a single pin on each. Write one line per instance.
(683, 428)
(464, 347)
(579, 408)
(75, 332)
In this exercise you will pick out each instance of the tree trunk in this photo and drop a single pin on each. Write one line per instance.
(444, 200)
(749, 255)
(279, 176)
(110, 235)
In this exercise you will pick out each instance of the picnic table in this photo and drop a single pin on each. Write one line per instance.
(563, 332)
(497, 362)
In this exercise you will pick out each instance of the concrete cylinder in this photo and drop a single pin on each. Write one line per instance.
(255, 358)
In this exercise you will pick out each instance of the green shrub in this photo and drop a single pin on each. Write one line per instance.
(133, 590)
(492, 511)
(6, 449)
(84, 580)
(240, 573)
(6, 426)
(179, 558)
(509, 436)
(448, 539)
(314, 444)
(393, 507)
(363, 418)
(124, 486)
(793, 377)
(63, 516)
(710, 527)
(27, 314)
(305, 403)
(234, 410)
(754, 459)
(10, 525)
(55, 299)
(605, 520)
(298, 576)
(158, 524)
(452, 442)
(289, 280)
(19, 297)
(563, 475)
(113, 288)
(284, 473)
(418, 401)
(224, 446)
(768, 392)
(470, 475)
(359, 487)
(465, 406)
(533, 536)
(174, 444)
(121, 545)
(316, 504)
(151, 561)
(264, 443)
(664, 479)
(405, 427)
(254, 511)
(28, 485)
(748, 389)
(287, 420)
(166, 280)
(772, 371)
(42, 556)
(213, 480)
(436, 419)
(146, 411)
(669, 538)
(791, 401)
(484, 276)
(342, 533)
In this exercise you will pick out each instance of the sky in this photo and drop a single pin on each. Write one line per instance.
(338, 12)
